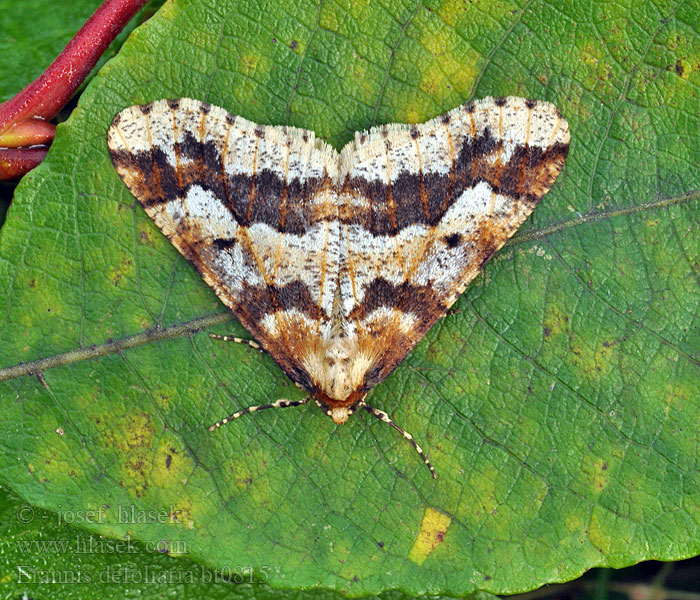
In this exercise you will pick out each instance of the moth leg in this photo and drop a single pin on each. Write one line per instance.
(382, 416)
(281, 403)
(230, 338)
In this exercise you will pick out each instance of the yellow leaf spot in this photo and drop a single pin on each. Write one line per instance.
(597, 471)
(249, 63)
(683, 68)
(432, 533)
(125, 268)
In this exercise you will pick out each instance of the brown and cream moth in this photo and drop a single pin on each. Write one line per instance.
(339, 263)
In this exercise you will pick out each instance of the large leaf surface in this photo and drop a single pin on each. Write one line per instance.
(559, 404)
(48, 555)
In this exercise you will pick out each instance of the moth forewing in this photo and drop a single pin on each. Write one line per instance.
(339, 263)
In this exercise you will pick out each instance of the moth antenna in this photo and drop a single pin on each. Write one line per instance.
(382, 416)
(230, 338)
(281, 403)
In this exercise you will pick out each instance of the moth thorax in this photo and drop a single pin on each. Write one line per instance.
(337, 364)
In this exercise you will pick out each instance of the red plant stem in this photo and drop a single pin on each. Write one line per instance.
(29, 132)
(15, 162)
(45, 96)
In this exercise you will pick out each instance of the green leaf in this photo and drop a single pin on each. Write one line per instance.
(559, 404)
(40, 548)
(33, 33)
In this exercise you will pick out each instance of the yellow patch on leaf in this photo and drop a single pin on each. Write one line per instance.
(432, 532)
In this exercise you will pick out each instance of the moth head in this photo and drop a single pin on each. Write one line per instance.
(337, 410)
(340, 414)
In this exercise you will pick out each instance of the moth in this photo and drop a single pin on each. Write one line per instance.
(338, 263)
